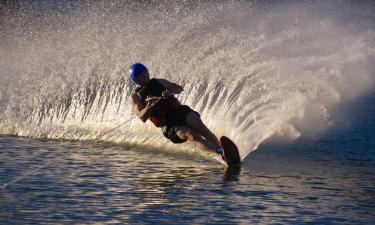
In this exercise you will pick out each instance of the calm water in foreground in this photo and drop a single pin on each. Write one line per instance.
(81, 182)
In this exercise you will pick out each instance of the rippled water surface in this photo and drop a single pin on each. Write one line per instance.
(80, 182)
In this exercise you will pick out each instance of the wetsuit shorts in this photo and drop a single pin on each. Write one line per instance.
(175, 119)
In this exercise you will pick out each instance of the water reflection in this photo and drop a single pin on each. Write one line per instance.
(115, 184)
(232, 173)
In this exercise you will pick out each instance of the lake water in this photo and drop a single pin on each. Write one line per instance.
(82, 183)
(291, 82)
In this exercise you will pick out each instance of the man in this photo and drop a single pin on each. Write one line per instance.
(154, 100)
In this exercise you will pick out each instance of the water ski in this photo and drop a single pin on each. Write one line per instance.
(231, 153)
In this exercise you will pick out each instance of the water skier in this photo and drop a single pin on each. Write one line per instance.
(154, 100)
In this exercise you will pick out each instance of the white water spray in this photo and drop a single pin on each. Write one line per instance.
(252, 70)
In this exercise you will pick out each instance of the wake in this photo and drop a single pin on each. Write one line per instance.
(252, 70)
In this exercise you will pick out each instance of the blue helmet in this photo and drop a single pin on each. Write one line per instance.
(136, 70)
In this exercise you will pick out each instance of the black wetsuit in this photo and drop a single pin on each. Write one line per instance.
(168, 113)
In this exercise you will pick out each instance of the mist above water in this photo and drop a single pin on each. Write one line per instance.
(252, 69)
